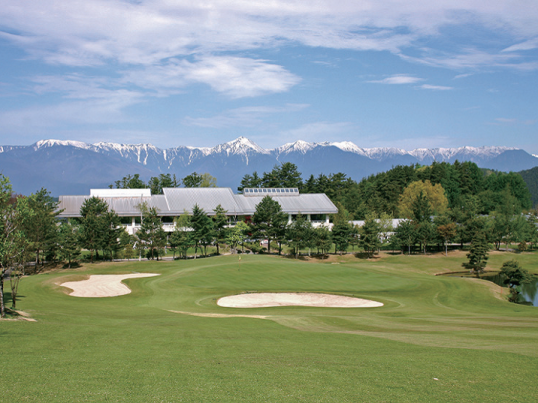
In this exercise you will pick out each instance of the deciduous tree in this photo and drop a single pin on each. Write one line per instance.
(434, 194)
(13, 243)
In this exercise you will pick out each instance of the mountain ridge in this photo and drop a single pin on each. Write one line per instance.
(228, 162)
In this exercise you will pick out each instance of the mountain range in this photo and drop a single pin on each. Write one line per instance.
(73, 167)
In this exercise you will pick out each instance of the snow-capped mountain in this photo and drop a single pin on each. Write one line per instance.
(69, 167)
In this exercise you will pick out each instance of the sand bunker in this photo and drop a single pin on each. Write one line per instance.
(108, 285)
(264, 300)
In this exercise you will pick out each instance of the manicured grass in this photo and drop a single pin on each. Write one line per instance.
(438, 338)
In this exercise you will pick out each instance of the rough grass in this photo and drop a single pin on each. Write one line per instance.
(438, 338)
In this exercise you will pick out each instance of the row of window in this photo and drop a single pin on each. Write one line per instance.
(271, 191)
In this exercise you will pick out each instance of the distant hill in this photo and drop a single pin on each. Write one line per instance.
(530, 176)
(73, 167)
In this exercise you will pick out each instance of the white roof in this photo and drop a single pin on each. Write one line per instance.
(120, 192)
(176, 201)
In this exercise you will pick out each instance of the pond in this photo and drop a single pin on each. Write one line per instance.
(528, 292)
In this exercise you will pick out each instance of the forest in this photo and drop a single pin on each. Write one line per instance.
(465, 186)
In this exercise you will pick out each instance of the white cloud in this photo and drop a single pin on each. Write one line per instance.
(250, 116)
(398, 79)
(146, 32)
(471, 58)
(465, 75)
(236, 77)
(513, 122)
(527, 45)
(435, 87)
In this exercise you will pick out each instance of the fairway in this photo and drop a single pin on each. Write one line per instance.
(436, 338)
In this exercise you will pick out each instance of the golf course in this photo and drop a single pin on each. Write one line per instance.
(436, 338)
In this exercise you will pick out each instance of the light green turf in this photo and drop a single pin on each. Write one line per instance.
(134, 349)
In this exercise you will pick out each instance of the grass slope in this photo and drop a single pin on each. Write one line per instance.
(437, 338)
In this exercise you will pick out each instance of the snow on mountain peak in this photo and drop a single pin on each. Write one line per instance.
(347, 146)
(52, 143)
(240, 145)
(298, 146)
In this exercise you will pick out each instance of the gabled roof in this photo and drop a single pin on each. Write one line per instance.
(309, 203)
(184, 199)
(176, 201)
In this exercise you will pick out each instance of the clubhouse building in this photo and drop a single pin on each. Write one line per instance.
(177, 201)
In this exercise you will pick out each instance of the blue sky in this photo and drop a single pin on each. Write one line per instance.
(379, 73)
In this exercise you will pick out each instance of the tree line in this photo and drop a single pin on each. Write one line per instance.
(462, 183)
(157, 183)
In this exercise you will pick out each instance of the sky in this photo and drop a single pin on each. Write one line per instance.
(379, 73)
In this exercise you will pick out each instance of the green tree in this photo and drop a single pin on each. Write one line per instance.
(299, 234)
(385, 227)
(433, 194)
(202, 228)
(219, 226)
(208, 181)
(285, 175)
(130, 182)
(93, 227)
(369, 235)
(151, 232)
(158, 183)
(341, 235)
(193, 180)
(196, 180)
(478, 255)
(13, 243)
(342, 229)
(421, 213)
(41, 230)
(111, 232)
(182, 238)
(237, 235)
(268, 221)
(323, 239)
(447, 232)
(250, 181)
(405, 235)
(68, 240)
(513, 274)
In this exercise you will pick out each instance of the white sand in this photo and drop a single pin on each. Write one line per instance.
(108, 285)
(264, 300)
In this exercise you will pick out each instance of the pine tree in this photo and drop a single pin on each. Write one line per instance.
(219, 226)
(299, 234)
(151, 231)
(268, 221)
(41, 230)
(202, 228)
(69, 247)
(182, 238)
(478, 255)
(369, 235)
